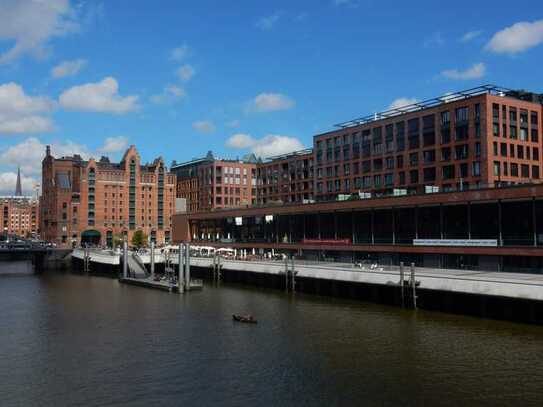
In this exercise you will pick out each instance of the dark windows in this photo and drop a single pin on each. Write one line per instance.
(461, 152)
(496, 129)
(462, 115)
(413, 159)
(523, 117)
(378, 164)
(399, 161)
(495, 111)
(429, 156)
(413, 133)
(476, 168)
(400, 136)
(448, 171)
(520, 152)
(446, 154)
(497, 168)
(401, 176)
(535, 171)
(503, 149)
(414, 176)
(513, 132)
(389, 163)
(477, 149)
(525, 171)
(514, 169)
(511, 150)
(533, 119)
(389, 179)
(366, 166)
(463, 170)
(534, 135)
(535, 153)
(389, 138)
(445, 118)
(512, 115)
(429, 174)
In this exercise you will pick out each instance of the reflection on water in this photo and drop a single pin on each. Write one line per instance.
(71, 339)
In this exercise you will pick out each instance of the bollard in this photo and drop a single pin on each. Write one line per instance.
(187, 267)
(292, 275)
(402, 279)
(286, 274)
(180, 282)
(413, 286)
(152, 260)
(125, 259)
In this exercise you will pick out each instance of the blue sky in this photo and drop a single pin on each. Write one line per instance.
(180, 78)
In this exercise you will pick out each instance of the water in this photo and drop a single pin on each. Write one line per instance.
(89, 341)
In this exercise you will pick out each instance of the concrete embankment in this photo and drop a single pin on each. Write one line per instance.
(510, 296)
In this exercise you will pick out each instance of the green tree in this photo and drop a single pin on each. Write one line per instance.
(139, 239)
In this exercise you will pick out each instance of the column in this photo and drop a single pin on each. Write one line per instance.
(534, 222)
(469, 220)
(500, 237)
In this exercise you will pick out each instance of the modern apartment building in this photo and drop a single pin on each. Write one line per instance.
(19, 215)
(210, 183)
(285, 179)
(481, 137)
(90, 201)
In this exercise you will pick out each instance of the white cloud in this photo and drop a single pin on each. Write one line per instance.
(68, 68)
(470, 35)
(101, 97)
(30, 24)
(203, 126)
(29, 154)
(114, 145)
(269, 102)
(185, 72)
(170, 94)
(517, 38)
(400, 102)
(476, 71)
(21, 113)
(8, 180)
(240, 141)
(267, 23)
(267, 146)
(180, 53)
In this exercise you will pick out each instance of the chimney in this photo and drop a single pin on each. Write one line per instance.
(47, 151)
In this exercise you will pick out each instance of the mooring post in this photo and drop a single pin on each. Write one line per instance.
(292, 274)
(402, 279)
(125, 259)
(413, 286)
(286, 274)
(180, 282)
(187, 267)
(152, 260)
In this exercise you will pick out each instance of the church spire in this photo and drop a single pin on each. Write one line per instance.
(18, 189)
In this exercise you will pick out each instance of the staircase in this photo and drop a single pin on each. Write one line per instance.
(136, 268)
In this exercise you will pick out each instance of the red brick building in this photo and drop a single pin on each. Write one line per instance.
(19, 215)
(210, 183)
(482, 137)
(93, 201)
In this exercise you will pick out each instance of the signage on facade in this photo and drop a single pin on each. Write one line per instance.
(456, 242)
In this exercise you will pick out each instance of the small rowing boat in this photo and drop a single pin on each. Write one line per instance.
(248, 319)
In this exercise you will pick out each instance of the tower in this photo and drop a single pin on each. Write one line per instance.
(18, 188)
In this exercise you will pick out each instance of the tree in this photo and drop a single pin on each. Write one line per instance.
(118, 240)
(139, 239)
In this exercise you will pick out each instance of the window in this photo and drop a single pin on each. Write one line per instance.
(413, 133)
(445, 118)
(346, 169)
(477, 149)
(523, 134)
(399, 161)
(534, 137)
(533, 119)
(477, 111)
(446, 154)
(366, 166)
(513, 132)
(400, 136)
(495, 111)
(535, 154)
(401, 177)
(429, 156)
(505, 169)
(429, 174)
(525, 171)
(503, 149)
(377, 164)
(512, 115)
(463, 170)
(461, 152)
(535, 171)
(389, 163)
(462, 115)
(476, 168)
(497, 168)
(514, 169)
(413, 159)
(448, 171)
(495, 148)
(389, 179)
(414, 176)
(496, 130)
(520, 152)
(523, 117)
(377, 181)
(512, 150)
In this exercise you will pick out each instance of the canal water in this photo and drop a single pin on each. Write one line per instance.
(69, 339)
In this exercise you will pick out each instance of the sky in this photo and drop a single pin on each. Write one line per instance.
(180, 78)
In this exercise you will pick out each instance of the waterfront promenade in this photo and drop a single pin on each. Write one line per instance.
(512, 285)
